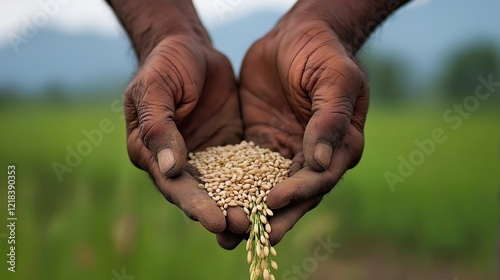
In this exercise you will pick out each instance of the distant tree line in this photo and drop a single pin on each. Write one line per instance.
(390, 79)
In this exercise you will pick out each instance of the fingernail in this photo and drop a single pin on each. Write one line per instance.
(323, 154)
(166, 160)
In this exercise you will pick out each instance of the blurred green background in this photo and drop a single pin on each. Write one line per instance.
(104, 219)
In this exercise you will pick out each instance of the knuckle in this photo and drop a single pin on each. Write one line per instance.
(137, 158)
(150, 131)
(135, 90)
(343, 105)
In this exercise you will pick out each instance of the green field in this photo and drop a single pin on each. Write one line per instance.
(106, 215)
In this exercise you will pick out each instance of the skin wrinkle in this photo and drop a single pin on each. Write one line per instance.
(359, 117)
(307, 68)
(301, 121)
(292, 61)
(318, 78)
(215, 132)
(172, 86)
(167, 82)
(286, 130)
(345, 100)
(145, 118)
(341, 105)
(283, 131)
(192, 132)
(133, 141)
(316, 73)
(300, 92)
(218, 108)
(178, 54)
(171, 66)
(210, 117)
(207, 139)
(140, 111)
(290, 76)
(172, 51)
(266, 104)
(145, 130)
(318, 64)
(129, 106)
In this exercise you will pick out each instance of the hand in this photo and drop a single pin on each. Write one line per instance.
(304, 95)
(183, 98)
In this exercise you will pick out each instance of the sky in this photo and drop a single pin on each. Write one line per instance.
(75, 16)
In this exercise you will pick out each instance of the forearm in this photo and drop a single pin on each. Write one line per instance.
(147, 22)
(352, 20)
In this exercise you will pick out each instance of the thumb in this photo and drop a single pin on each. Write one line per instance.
(167, 144)
(161, 137)
(332, 109)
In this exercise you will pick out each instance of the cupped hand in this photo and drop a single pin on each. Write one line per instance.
(183, 98)
(303, 95)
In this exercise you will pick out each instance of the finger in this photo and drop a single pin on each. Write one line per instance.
(286, 218)
(297, 164)
(162, 138)
(308, 183)
(184, 192)
(229, 240)
(237, 221)
(237, 225)
(333, 100)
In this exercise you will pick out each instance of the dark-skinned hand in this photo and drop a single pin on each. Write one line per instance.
(303, 95)
(183, 98)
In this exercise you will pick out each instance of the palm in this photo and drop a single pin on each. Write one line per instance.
(270, 111)
(215, 118)
(278, 79)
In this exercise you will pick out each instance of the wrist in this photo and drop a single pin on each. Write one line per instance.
(352, 20)
(148, 22)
